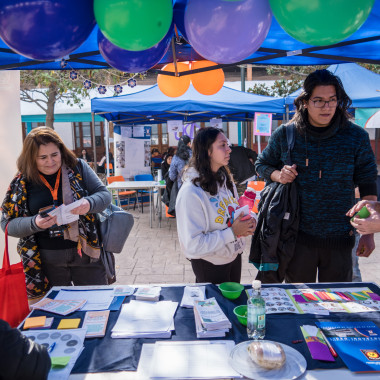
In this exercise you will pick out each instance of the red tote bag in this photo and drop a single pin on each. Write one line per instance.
(14, 305)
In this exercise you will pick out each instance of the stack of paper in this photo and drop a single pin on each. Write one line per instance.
(62, 307)
(142, 319)
(192, 360)
(97, 299)
(95, 322)
(191, 294)
(148, 293)
(210, 321)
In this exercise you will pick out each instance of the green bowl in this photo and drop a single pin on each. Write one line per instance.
(231, 290)
(241, 313)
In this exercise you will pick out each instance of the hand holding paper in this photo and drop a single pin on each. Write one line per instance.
(64, 212)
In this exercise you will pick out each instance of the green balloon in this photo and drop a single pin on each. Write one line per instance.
(134, 24)
(321, 23)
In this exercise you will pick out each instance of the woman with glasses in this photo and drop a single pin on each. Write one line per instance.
(331, 156)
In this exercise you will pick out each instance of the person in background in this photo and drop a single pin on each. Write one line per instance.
(242, 166)
(49, 175)
(180, 159)
(101, 167)
(85, 156)
(209, 234)
(156, 158)
(331, 157)
(20, 357)
(166, 165)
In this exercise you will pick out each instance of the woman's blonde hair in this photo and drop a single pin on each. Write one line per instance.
(26, 162)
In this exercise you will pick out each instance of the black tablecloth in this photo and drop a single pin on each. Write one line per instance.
(107, 354)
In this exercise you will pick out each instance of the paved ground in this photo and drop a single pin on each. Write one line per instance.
(153, 255)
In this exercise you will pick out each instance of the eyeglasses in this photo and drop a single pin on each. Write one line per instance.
(321, 103)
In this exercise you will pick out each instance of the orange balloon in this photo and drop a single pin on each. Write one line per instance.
(174, 86)
(208, 82)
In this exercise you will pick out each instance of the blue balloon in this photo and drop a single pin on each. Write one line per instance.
(133, 61)
(45, 29)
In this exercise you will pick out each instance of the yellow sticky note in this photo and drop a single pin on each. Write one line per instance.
(34, 322)
(72, 323)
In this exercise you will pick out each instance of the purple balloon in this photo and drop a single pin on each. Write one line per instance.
(45, 29)
(227, 31)
(133, 61)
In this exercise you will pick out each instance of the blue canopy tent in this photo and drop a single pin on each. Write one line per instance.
(360, 84)
(277, 49)
(151, 106)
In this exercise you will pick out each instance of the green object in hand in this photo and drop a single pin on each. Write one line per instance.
(363, 213)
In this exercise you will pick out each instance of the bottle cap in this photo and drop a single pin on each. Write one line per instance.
(363, 213)
(256, 284)
(250, 194)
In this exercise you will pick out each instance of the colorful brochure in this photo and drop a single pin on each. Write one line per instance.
(317, 346)
(357, 343)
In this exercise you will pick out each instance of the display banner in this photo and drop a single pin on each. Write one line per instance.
(367, 117)
(132, 150)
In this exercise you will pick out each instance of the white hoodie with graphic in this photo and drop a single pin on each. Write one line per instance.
(202, 222)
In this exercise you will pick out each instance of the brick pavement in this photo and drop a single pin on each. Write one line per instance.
(153, 255)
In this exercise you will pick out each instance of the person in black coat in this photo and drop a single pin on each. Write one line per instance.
(242, 163)
(20, 357)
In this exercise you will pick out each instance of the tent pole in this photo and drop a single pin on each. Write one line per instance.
(242, 78)
(287, 113)
(94, 141)
(106, 133)
(174, 58)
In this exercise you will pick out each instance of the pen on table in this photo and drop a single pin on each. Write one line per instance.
(51, 347)
(333, 352)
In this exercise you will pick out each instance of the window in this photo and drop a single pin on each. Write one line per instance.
(83, 137)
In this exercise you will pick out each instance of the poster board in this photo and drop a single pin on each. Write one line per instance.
(132, 150)
(262, 124)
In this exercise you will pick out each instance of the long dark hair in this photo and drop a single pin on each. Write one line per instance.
(26, 162)
(208, 180)
(183, 150)
(321, 78)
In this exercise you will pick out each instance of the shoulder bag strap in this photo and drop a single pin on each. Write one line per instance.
(290, 138)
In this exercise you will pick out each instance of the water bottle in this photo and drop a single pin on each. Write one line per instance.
(256, 313)
(248, 198)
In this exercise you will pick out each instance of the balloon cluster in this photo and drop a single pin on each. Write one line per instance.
(206, 83)
(134, 35)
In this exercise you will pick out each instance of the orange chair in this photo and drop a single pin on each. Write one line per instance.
(257, 186)
(110, 167)
(125, 194)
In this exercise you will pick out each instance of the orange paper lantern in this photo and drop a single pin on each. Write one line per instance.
(174, 86)
(208, 82)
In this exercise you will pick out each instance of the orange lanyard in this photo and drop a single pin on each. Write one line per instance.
(54, 192)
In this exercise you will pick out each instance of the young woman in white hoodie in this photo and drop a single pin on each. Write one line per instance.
(208, 233)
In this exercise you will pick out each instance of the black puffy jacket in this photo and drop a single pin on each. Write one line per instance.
(21, 358)
(275, 237)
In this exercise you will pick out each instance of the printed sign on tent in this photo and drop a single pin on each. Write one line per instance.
(216, 123)
(175, 126)
(262, 124)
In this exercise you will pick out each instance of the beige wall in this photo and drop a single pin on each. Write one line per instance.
(10, 141)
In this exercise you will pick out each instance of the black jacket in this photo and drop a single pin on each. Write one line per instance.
(275, 237)
(21, 358)
(240, 165)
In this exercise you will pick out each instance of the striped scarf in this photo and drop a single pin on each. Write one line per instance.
(83, 231)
